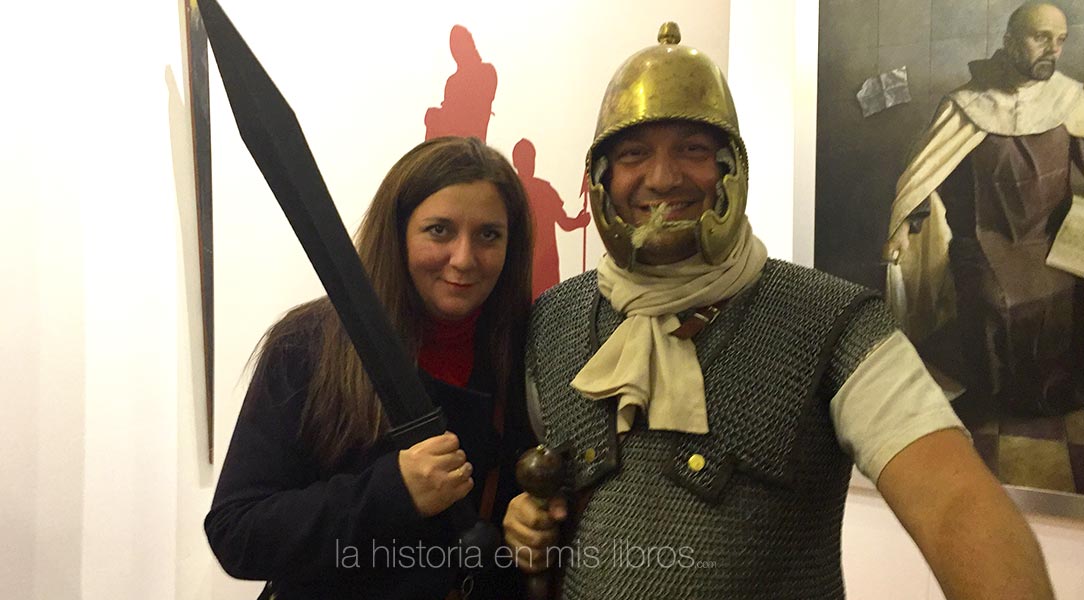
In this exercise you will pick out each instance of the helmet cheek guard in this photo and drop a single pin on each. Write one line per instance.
(616, 233)
(718, 230)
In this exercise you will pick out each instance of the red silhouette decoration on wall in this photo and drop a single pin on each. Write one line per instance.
(549, 212)
(465, 112)
(468, 94)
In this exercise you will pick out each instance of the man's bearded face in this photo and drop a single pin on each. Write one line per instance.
(1035, 48)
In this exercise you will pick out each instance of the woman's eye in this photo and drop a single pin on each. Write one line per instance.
(436, 230)
(491, 235)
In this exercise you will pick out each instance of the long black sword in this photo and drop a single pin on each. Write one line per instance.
(273, 136)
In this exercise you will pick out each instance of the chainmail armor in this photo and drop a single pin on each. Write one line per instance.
(761, 519)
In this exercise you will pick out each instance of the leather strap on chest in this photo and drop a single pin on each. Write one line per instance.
(489, 492)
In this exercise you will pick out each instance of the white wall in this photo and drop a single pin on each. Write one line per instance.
(775, 91)
(94, 336)
(773, 76)
(41, 345)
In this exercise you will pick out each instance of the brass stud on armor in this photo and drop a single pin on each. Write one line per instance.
(696, 463)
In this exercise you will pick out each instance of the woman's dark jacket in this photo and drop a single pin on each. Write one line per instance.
(352, 532)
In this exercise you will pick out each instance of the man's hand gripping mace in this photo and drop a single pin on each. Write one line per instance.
(540, 472)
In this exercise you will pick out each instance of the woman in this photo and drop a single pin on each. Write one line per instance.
(313, 496)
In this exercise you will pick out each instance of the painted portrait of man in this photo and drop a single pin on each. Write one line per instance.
(960, 192)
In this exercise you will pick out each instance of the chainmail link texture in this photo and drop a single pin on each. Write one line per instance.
(759, 516)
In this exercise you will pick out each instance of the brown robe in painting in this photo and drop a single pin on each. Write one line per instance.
(1022, 322)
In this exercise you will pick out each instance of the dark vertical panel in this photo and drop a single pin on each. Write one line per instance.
(200, 107)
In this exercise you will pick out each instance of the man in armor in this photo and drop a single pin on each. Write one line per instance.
(710, 401)
(982, 200)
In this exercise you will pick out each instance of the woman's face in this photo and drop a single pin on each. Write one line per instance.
(456, 240)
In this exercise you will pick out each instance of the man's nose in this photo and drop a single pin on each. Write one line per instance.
(664, 174)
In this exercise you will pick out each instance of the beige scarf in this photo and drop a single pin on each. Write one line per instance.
(641, 362)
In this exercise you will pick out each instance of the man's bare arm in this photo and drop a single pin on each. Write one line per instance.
(972, 535)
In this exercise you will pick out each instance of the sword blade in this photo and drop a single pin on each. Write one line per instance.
(273, 136)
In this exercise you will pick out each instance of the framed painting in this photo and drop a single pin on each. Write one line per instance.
(1001, 331)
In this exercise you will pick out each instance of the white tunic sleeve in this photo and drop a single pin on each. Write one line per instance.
(889, 401)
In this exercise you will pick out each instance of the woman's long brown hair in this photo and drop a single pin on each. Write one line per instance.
(341, 410)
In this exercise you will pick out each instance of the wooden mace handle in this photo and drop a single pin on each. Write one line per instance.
(540, 472)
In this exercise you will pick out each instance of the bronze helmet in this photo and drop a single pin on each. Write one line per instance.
(663, 82)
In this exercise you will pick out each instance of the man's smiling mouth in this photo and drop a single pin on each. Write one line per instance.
(664, 206)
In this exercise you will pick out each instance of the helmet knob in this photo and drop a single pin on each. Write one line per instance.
(669, 33)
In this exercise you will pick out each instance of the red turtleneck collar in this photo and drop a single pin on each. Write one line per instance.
(447, 351)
